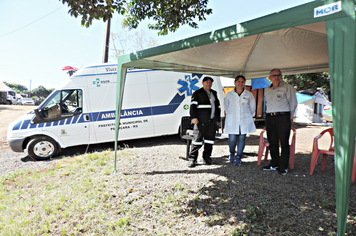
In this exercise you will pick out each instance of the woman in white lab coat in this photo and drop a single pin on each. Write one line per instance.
(240, 108)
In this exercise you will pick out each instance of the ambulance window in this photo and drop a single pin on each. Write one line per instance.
(71, 101)
(63, 102)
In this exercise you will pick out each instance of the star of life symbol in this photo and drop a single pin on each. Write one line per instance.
(188, 85)
(97, 82)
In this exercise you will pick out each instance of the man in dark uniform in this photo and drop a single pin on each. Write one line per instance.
(205, 115)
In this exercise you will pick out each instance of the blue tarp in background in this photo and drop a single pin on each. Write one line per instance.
(260, 83)
(303, 97)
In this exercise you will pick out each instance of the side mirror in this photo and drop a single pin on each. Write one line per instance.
(38, 118)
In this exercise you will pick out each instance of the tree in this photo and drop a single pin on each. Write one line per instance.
(312, 81)
(18, 88)
(168, 15)
(126, 42)
(41, 92)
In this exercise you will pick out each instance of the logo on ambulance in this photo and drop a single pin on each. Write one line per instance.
(97, 82)
(188, 85)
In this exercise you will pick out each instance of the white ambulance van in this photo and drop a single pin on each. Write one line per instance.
(82, 110)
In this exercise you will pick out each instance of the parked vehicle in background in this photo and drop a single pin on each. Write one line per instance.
(27, 101)
(11, 98)
(3, 96)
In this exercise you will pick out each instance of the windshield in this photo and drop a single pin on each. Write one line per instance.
(55, 99)
(47, 98)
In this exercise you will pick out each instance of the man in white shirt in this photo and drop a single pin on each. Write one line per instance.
(281, 103)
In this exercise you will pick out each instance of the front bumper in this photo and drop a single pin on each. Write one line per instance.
(16, 144)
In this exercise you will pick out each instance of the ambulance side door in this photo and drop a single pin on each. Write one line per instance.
(66, 117)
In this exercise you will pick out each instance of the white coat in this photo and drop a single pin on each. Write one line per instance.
(239, 112)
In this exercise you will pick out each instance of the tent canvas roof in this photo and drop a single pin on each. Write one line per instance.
(254, 55)
(4, 87)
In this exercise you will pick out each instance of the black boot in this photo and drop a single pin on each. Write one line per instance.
(192, 163)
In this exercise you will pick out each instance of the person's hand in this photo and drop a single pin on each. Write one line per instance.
(291, 122)
(195, 121)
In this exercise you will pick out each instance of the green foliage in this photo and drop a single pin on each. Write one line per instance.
(168, 15)
(41, 92)
(18, 88)
(37, 100)
(253, 212)
(37, 94)
(311, 81)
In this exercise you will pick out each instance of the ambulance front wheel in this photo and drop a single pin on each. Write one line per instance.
(42, 148)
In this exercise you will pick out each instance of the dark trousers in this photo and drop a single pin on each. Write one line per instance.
(204, 134)
(278, 131)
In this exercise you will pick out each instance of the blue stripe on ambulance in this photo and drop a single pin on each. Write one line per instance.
(75, 118)
(68, 120)
(106, 65)
(17, 125)
(112, 73)
(25, 124)
(170, 108)
(109, 115)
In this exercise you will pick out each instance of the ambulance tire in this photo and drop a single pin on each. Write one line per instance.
(42, 148)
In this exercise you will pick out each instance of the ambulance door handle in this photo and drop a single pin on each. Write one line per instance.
(86, 117)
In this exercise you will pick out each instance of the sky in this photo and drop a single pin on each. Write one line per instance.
(39, 37)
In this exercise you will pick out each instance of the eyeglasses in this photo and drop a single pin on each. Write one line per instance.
(276, 75)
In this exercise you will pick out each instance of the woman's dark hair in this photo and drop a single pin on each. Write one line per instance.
(240, 76)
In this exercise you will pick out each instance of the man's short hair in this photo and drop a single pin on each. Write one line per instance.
(207, 78)
(276, 69)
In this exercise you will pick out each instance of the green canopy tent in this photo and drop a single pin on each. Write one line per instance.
(314, 37)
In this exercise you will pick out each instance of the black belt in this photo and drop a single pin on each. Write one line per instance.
(278, 113)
